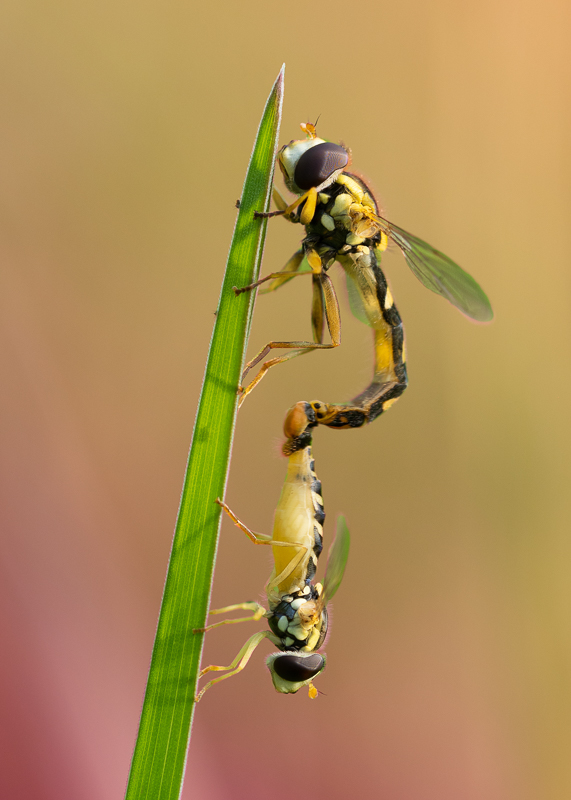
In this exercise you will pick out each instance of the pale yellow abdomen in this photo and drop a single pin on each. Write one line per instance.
(294, 522)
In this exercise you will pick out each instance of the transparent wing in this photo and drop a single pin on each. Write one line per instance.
(440, 274)
(336, 562)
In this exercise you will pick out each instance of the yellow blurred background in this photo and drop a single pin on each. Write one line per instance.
(126, 130)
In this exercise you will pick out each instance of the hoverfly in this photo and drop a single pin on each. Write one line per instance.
(343, 223)
(297, 614)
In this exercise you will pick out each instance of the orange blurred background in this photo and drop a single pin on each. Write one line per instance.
(126, 130)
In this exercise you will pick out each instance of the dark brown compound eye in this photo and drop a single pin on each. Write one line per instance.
(319, 163)
(297, 669)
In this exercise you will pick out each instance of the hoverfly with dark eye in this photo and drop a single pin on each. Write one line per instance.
(343, 223)
(297, 614)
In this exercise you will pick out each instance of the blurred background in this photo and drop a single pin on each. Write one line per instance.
(126, 130)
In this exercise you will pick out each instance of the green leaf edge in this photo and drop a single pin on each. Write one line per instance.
(159, 758)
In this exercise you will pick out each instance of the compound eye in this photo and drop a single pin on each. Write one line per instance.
(318, 163)
(297, 669)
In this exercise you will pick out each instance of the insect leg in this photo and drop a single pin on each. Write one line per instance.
(262, 538)
(310, 200)
(257, 538)
(283, 206)
(317, 311)
(258, 610)
(287, 571)
(331, 307)
(280, 202)
(237, 665)
(300, 349)
(284, 275)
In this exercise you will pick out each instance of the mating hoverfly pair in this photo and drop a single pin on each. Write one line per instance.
(343, 224)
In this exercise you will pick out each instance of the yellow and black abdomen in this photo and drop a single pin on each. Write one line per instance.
(389, 374)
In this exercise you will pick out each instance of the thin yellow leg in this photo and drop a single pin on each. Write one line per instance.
(237, 665)
(280, 202)
(262, 538)
(286, 211)
(257, 538)
(307, 347)
(258, 610)
(332, 317)
(290, 567)
(285, 275)
(251, 605)
(317, 311)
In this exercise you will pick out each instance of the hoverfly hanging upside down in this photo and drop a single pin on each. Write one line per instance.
(343, 224)
(297, 613)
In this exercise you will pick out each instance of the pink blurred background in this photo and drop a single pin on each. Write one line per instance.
(126, 130)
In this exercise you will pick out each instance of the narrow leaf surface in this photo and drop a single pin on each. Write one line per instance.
(160, 752)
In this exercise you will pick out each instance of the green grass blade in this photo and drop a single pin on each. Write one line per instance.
(159, 759)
